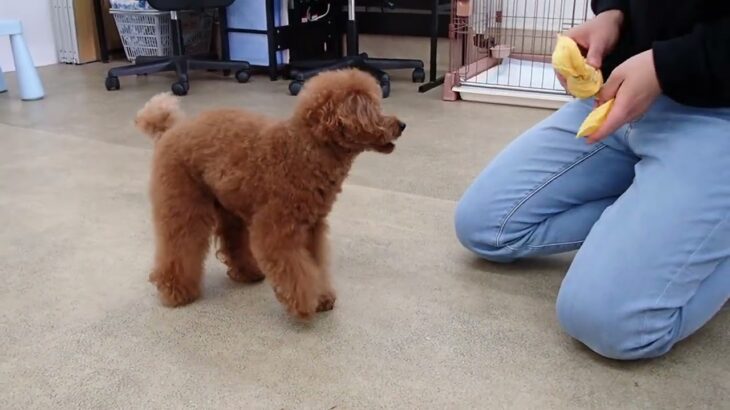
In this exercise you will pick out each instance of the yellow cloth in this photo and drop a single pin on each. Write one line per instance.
(582, 81)
(594, 120)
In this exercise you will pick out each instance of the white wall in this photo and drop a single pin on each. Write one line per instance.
(37, 31)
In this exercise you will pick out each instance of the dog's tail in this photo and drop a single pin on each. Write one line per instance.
(160, 114)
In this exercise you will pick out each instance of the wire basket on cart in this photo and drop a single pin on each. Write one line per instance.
(148, 33)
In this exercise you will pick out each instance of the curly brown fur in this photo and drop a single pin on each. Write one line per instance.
(262, 187)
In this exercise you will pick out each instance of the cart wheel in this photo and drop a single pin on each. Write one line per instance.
(419, 75)
(385, 86)
(295, 87)
(112, 83)
(180, 88)
(242, 76)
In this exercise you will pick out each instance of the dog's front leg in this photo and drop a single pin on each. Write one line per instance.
(235, 248)
(319, 247)
(281, 249)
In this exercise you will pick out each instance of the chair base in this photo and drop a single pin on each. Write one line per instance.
(305, 70)
(180, 65)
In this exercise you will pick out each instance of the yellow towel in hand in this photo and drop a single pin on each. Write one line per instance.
(594, 120)
(583, 81)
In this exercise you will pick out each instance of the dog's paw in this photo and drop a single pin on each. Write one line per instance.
(243, 276)
(299, 304)
(303, 309)
(174, 293)
(174, 296)
(326, 302)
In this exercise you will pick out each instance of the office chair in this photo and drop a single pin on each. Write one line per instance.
(302, 71)
(179, 62)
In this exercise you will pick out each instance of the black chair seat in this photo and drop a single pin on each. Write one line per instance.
(176, 5)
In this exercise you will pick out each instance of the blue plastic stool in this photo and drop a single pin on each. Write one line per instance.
(29, 82)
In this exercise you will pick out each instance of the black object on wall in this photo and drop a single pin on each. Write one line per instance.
(314, 40)
(403, 18)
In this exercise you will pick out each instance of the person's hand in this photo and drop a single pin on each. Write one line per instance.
(597, 37)
(635, 86)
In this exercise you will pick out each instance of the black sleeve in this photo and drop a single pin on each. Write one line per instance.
(599, 6)
(694, 68)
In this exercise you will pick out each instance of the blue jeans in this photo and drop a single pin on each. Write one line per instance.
(648, 210)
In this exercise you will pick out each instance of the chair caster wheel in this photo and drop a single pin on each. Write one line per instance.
(295, 87)
(112, 83)
(180, 88)
(419, 75)
(242, 76)
(385, 86)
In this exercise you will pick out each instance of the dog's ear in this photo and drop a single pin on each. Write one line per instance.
(358, 113)
(319, 111)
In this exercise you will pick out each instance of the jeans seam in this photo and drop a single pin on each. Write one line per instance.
(679, 271)
(627, 134)
(554, 244)
(541, 186)
(547, 245)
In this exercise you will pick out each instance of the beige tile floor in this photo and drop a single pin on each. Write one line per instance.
(419, 323)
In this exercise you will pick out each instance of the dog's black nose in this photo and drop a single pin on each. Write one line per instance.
(402, 125)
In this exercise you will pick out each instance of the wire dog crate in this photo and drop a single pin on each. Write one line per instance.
(500, 50)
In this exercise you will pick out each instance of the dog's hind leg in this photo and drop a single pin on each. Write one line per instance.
(183, 218)
(319, 247)
(235, 249)
(280, 247)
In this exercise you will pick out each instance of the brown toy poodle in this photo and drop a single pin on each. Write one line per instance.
(263, 187)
